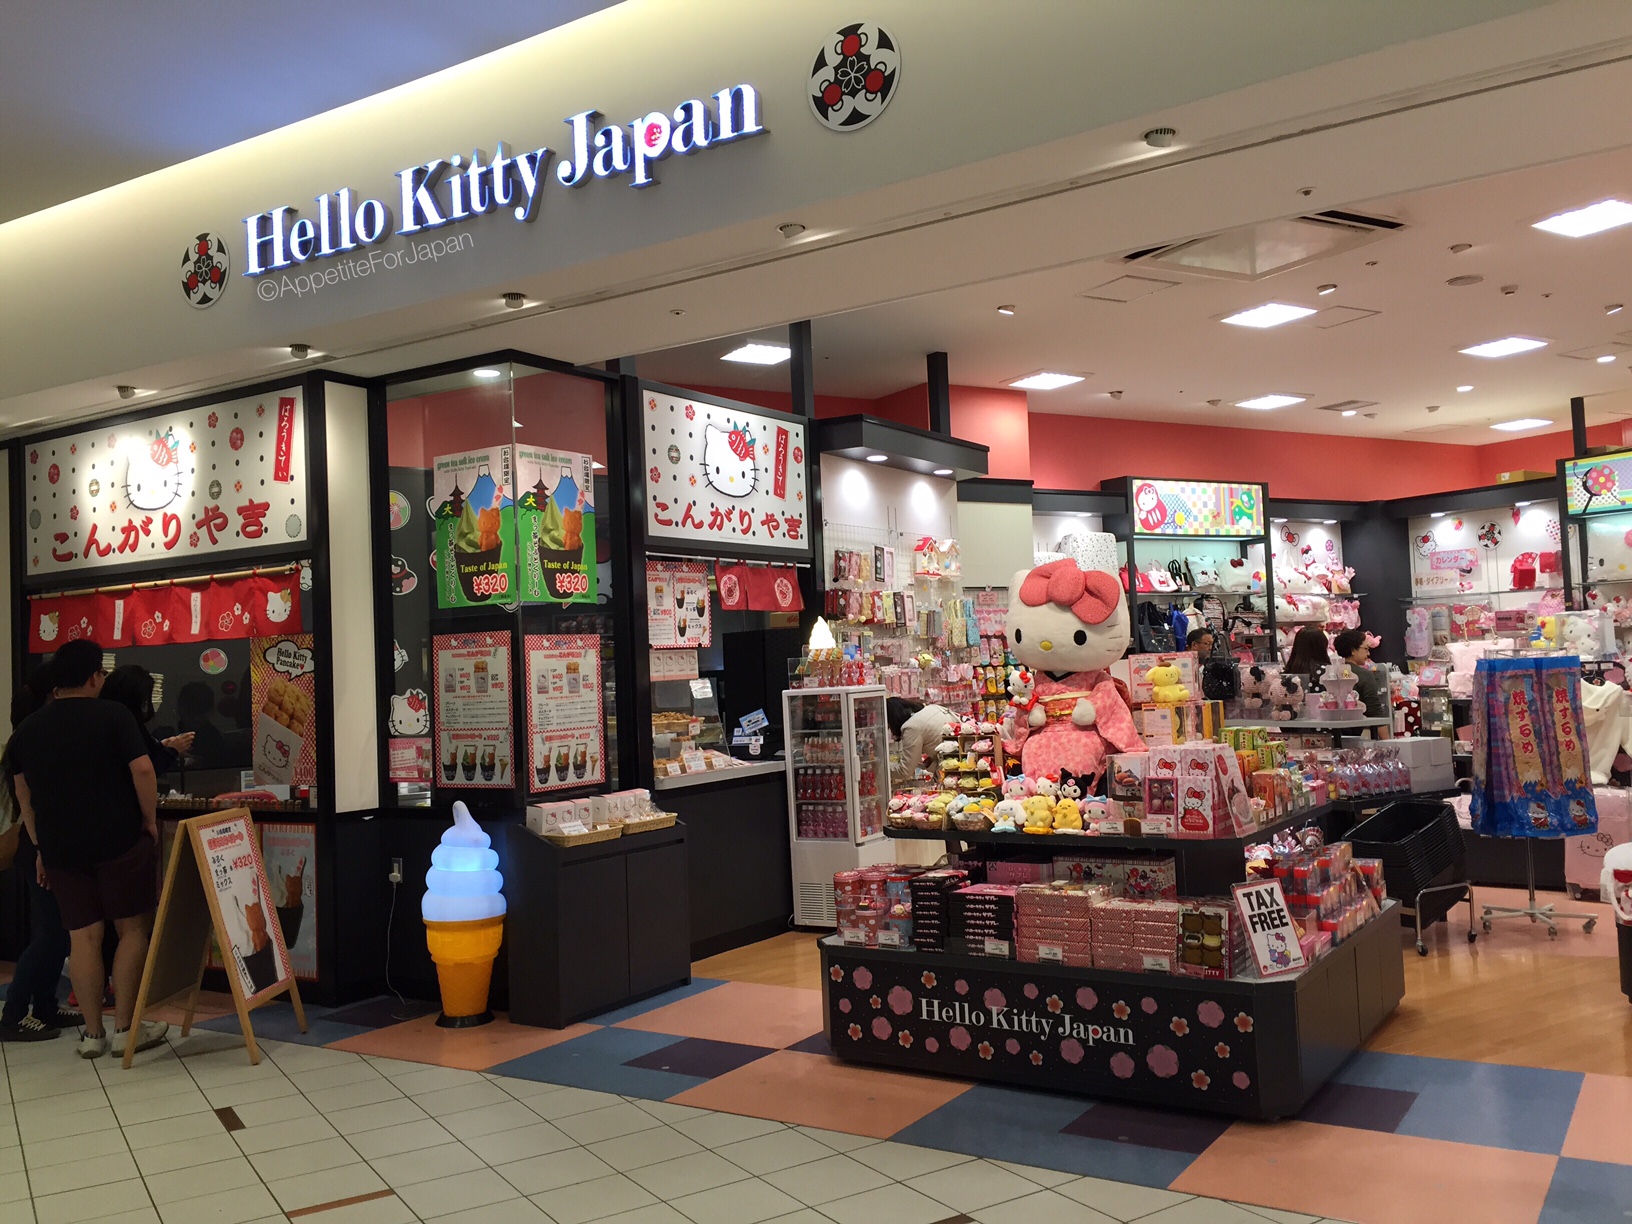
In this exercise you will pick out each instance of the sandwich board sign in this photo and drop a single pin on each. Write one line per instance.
(215, 884)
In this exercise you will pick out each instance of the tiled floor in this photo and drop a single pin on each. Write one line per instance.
(719, 1104)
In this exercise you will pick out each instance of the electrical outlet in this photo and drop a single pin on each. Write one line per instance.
(396, 871)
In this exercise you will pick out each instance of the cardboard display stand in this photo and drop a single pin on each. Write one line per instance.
(215, 883)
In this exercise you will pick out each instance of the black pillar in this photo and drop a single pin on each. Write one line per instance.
(632, 664)
(802, 384)
(940, 395)
(1578, 423)
(802, 370)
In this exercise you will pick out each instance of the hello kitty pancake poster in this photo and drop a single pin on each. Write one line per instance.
(208, 481)
(723, 479)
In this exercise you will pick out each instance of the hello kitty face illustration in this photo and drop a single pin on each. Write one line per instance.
(277, 751)
(48, 626)
(410, 713)
(728, 460)
(1425, 543)
(399, 657)
(1147, 500)
(156, 472)
(278, 605)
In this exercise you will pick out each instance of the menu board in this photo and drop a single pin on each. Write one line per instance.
(474, 727)
(290, 854)
(1197, 508)
(677, 604)
(234, 870)
(283, 687)
(564, 717)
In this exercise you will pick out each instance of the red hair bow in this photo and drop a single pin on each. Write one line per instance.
(1091, 595)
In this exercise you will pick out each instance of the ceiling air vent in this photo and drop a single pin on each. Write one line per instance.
(1346, 406)
(1252, 252)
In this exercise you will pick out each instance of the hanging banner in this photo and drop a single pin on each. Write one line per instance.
(283, 688)
(475, 537)
(157, 616)
(564, 713)
(555, 519)
(290, 854)
(677, 605)
(474, 726)
(775, 588)
(724, 480)
(169, 487)
(1196, 508)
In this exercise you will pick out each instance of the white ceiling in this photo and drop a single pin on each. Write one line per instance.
(1168, 354)
(97, 93)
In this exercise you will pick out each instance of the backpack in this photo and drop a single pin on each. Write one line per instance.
(1154, 630)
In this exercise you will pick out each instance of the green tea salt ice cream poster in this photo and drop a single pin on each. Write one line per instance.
(475, 533)
(555, 516)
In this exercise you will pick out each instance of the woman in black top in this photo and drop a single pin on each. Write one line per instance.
(1309, 656)
(132, 687)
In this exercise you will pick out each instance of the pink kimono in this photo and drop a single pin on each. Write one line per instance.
(1060, 743)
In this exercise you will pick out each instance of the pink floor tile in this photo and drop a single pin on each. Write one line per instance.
(816, 1090)
(1368, 1176)
(743, 1012)
(1599, 1129)
(473, 1049)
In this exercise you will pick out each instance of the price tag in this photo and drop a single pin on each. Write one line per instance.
(672, 768)
(997, 947)
(571, 826)
(1048, 952)
(854, 936)
(889, 939)
(702, 689)
(1158, 964)
(693, 761)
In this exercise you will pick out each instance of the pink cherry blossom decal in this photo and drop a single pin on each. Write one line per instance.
(1071, 1050)
(881, 1028)
(1086, 998)
(1120, 1010)
(1241, 1080)
(984, 1049)
(905, 1039)
(1031, 990)
(876, 1002)
(1243, 1022)
(855, 1032)
(1036, 1059)
(1222, 1050)
(1012, 1046)
(1200, 1079)
(931, 1045)
(1163, 1061)
(961, 986)
(994, 999)
(1121, 1066)
(1210, 1014)
(900, 1000)
(1148, 1005)
(836, 973)
(928, 979)
(1180, 1026)
(862, 977)
(959, 1037)
(1055, 1004)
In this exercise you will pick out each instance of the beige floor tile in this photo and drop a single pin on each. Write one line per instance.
(502, 1147)
(250, 1092)
(745, 1202)
(974, 1184)
(1119, 1200)
(460, 1097)
(537, 1174)
(688, 1175)
(325, 1186)
(280, 1164)
(569, 1101)
(78, 1206)
(222, 1177)
(250, 1203)
(715, 1130)
(507, 1211)
(352, 1096)
(315, 1079)
(1043, 1177)
(394, 1140)
(458, 1193)
(609, 1123)
(48, 1151)
(435, 1079)
(822, 1181)
(1044, 1207)
(371, 1117)
(14, 1188)
(903, 1160)
(79, 1174)
(186, 1153)
(473, 1123)
(644, 1147)
(277, 1109)
(255, 1139)
(592, 1200)
(387, 1210)
(897, 1204)
(782, 1149)
(160, 1109)
(173, 1130)
(411, 1168)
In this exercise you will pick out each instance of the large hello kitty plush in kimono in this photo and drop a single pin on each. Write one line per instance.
(1068, 622)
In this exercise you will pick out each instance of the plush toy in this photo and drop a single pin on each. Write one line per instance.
(1203, 573)
(1418, 634)
(1039, 815)
(1165, 688)
(1023, 705)
(1236, 576)
(1254, 690)
(1008, 816)
(1546, 635)
(1048, 786)
(1580, 636)
(1068, 625)
(1609, 553)
(1285, 610)
(1285, 697)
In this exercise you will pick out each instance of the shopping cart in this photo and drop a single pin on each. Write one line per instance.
(1424, 863)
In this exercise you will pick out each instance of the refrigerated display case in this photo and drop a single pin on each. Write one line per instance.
(838, 790)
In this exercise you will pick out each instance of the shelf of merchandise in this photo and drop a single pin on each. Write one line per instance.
(1244, 1047)
(1476, 596)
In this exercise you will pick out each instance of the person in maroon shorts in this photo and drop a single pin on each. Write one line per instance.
(89, 800)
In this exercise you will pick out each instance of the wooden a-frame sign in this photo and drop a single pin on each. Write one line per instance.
(216, 861)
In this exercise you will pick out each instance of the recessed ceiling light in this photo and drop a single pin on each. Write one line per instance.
(1329, 522)
(1614, 308)
(944, 472)
(1270, 401)
(1350, 411)
(1270, 314)
(759, 354)
(1465, 387)
(790, 229)
(877, 458)
(1005, 310)
(1277, 520)
(486, 372)
(1521, 505)
(1521, 423)
(1437, 514)
(1045, 381)
(1504, 347)
(1605, 359)
(1323, 290)
(1079, 514)
(1593, 219)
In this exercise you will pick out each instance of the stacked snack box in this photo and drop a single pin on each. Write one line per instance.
(982, 917)
(931, 910)
(1211, 940)
(1136, 936)
(1054, 923)
(895, 931)
(1141, 876)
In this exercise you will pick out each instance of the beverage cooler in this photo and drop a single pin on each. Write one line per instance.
(838, 790)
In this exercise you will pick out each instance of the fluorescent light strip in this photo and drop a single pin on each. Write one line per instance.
(1270, 401)
(1045, 381)
(1521, 423)
(1270, 314)
(759, 354)
(1593, 219)
(1505, 347)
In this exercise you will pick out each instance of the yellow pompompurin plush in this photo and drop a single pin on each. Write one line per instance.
(1165, 688)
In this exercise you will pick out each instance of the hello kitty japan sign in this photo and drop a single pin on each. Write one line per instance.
(723, 480)
(218, 479)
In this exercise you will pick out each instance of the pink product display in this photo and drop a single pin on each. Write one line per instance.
(1136, 936)
(873, 906)
(1141, 876)
(1200, 786)
(1355, 773)
(1014, 871)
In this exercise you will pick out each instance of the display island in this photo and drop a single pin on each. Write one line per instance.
(1250, 1047)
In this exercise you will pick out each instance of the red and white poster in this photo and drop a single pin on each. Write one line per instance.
(724, 478)
(565, 720)
(677, 605)
(290, 854)
(233, 866)
(475, 729)
(283, 687)
(178, 484)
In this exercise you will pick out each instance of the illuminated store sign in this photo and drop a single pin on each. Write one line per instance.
(452, 190)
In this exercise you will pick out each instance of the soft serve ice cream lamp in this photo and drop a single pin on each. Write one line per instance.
(463, 909)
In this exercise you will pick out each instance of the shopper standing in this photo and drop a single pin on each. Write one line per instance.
(1372, 688)
(1309, 655)
(918, 728)
(1201, 643)
(132, 687)
(31, 1012)
(88, 797)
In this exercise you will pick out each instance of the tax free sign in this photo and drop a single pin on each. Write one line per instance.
(454, 190)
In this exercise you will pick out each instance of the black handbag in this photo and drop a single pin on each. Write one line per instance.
(1220, 681)
(1155, 632)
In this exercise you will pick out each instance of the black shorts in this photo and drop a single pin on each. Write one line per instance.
(123, 887)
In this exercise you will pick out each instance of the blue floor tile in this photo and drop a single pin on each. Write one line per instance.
(1588, 1192)
(596, 1061)
(696, 986)
(276, 1022)
(1027, 1127)
(1523, 1109)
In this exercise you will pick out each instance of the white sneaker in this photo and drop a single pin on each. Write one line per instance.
(91, 1047)
(152, 1034)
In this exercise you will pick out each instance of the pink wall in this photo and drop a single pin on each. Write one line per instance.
(1540, 453)
(555, 410)
(997, 419)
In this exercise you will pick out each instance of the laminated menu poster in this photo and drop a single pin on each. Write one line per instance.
(555, 522)
(475, 537)
(232, 865)
(474, 727)
(283, 687)
(564, 717)
(677, 604)
(289, 852)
